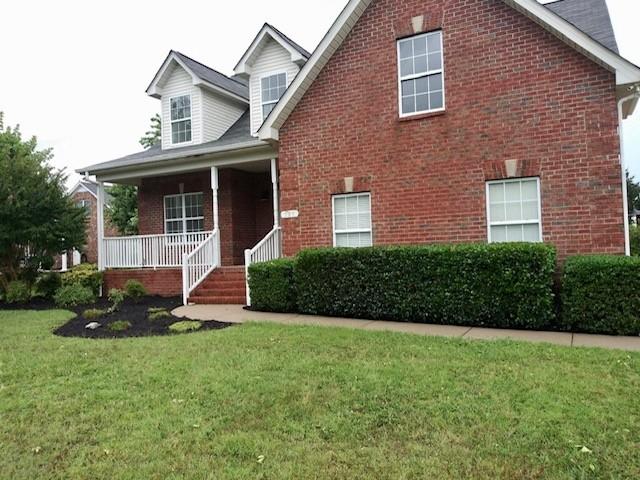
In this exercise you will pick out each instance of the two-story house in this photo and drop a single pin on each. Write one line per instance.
(413, 121)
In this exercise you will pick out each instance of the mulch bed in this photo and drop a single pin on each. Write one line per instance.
(134, 312)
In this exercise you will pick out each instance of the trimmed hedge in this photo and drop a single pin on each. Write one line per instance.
(601, 294)
(272, 287)
(498, 285)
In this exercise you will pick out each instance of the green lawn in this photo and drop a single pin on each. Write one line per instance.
(270, 401)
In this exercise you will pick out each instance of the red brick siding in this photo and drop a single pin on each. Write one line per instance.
(166, 282)
(513, 91)
(243, 218)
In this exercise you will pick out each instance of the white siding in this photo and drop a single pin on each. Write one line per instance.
(218, 114)
(273, 58)
(180, 83)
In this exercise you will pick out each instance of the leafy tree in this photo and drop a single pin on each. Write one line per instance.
(153, 136)
(123, 209)
(633, 192)
(38, 219)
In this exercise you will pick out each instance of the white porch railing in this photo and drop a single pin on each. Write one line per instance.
(151, 251)
(269, 248)
(198, 264)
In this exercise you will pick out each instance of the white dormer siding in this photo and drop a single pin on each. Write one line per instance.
(180, 83)
(272, 59)
(218, 115)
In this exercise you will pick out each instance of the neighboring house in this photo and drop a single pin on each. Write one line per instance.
(85, 194)
(412, 122)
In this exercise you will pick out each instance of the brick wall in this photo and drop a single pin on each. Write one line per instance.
(165, 282)
(513, 92)
(245, 216)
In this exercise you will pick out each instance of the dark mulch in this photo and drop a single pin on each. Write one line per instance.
(34, 304)
(134, 312)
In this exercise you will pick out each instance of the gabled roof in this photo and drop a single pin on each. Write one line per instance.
(627, 74)
(201, 75)
(86, 185)
(298, 54)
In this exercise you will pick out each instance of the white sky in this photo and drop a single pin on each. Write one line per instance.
(74, 73)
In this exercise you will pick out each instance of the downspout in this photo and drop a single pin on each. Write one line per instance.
(625, 203)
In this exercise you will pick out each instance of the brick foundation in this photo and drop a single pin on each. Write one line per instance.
(165, 282)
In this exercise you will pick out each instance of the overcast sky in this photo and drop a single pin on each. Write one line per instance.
(74, 73)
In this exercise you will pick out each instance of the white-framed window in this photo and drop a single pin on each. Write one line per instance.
(272, 87)
(514, 210)
(184, 213)
(352, 220)
(181, 119)
(421, 74)
(83, 203)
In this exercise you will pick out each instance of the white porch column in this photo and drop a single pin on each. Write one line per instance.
(274, 183)
(63, 258)
(216, 215)
(100, 220)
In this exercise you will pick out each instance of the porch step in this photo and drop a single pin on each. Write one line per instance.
(225, 285)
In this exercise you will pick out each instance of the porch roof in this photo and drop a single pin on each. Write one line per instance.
(238, 137)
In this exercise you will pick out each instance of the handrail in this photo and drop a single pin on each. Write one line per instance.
(197, 265)
(269, 248)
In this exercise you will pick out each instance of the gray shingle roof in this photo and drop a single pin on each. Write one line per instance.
(239, 134)
(214, 77)
(590, 16)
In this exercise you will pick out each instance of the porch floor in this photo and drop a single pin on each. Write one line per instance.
(237, 314)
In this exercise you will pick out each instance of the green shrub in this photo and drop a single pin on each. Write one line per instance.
(48, 284)
(186, 326)
(499, 285)
(17, 292)
(116, 297)
(601, 294)
(93, 313)
(156, 309)
(86, 275)
(119, 326)
(159, 315)
(74, 295)
(134, 289)
(634, 237)
(272, 287)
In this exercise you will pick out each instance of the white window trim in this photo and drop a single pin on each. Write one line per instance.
(356, 230)
(184, 213)
(190, 118)
(426, 74)
(522, 222)
(262, 102)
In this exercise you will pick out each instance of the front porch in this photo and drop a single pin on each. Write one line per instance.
(193, 224)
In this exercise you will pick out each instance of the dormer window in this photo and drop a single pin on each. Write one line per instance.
(181, 119)
(273, 87)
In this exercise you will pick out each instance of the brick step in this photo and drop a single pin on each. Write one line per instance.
(228, 292)
(212, 284)
(226, 276)
(218, 300)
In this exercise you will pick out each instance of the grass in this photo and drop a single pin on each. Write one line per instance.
(93, 313)
(264, 401)
(186, 326)
(119, 326)
(158, 314)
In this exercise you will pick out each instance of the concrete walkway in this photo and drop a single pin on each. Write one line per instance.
(237, 314)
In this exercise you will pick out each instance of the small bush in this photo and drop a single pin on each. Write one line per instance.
(601, 294)
(93, 313)
(48, 284)
(498, 285)
(156, 309)
(272, 286)
(119, 326)
(86, 275)
(159, 315)
(116, 297)
(186, 326)
(134, 289)
(17, 292)
(74, 295)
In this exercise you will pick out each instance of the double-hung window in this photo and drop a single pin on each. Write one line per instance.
(352, 220)
(181, 119)
(421, 74)
(273, 87)
(513, 210)
(183, 213)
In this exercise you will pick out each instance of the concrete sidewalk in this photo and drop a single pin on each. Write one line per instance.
(237, 314)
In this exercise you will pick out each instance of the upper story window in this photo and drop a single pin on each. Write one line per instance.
(421, 74)
(513, 210)
(273, 87)
(184, 213)
(352, 220)
(181, 119)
